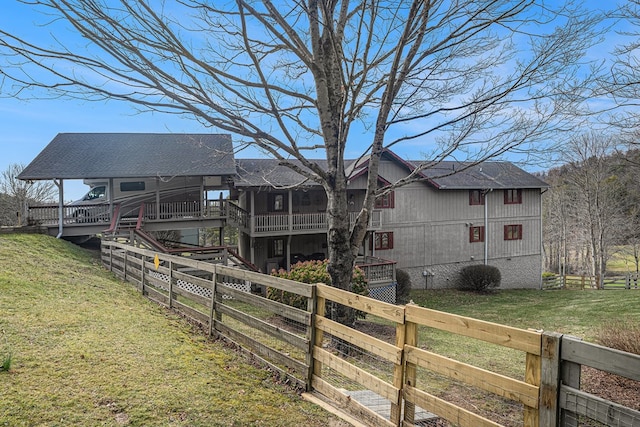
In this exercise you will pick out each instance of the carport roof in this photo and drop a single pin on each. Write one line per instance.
(129, 155)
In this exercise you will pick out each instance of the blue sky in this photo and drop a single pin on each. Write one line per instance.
(28, 126)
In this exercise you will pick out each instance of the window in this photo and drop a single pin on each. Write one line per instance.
(476, 234)
(277, 202)
(96, 193)
(383, 240)
(132, 186)
(476, 197)
(276, 248)
(385, 202)
(512, 197)
(513, 232)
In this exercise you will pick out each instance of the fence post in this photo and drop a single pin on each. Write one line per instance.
(321, 303)
(550, 379)
(398, 374)
(312, 308)
(213, 311)
(532, 376)
(124, 262)
(143, 276)
(570, 375)
(410, 370)
(170, 284)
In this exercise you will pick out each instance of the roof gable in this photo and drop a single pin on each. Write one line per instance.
(124, 155)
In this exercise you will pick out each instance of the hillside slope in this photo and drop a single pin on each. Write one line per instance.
(87, 349)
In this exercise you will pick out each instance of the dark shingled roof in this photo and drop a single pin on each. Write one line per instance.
(494, 175)
(270, 173)
(125, 155)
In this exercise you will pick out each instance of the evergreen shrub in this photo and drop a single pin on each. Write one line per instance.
(479, 278)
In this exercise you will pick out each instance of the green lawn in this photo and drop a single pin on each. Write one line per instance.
(578, 313)
(88, 349)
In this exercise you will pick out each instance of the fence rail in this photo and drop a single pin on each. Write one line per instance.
(576, 404)
(584, 282)
(380, 380)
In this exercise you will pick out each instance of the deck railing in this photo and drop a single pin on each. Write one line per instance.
(377, 270)
(310, 221)
(269, 223)
(91, 214)
(237, 215)
(85, 214)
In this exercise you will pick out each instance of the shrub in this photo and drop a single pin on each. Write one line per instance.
(479, 278)
(403, 288)
(312, 272)
(622, 335)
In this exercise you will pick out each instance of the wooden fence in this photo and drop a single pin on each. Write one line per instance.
(381, 374)
(584, 282)
(577, 405)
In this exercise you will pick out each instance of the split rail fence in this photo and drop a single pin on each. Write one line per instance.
(381, 373)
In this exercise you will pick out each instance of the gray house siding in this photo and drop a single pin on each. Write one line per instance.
(431, 232)
(429, 222)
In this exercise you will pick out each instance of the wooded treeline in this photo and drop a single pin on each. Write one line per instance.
(592, 207)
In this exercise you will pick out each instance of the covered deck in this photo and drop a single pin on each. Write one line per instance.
(102, 217)
(160, 181)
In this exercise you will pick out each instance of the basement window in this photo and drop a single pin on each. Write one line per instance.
(476, 234)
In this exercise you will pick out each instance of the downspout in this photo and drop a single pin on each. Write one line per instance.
(157, 198)
(486, 226)
(60, 185)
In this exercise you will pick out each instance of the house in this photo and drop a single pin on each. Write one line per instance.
(455, 215)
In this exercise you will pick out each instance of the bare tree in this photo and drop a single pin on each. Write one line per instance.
(596, 197)
(17, 194)
(621, 78)
(324, 77)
